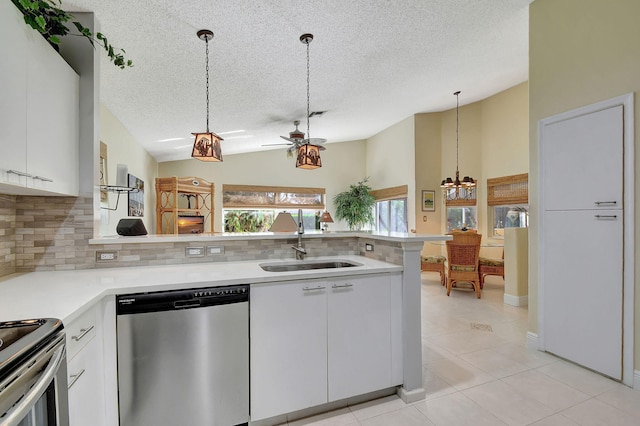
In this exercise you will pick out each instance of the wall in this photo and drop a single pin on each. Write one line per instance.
(390, 161)
(342, 164)
(122, 148)
(581, 52)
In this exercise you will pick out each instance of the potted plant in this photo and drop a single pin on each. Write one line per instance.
(49, 20)
(355, 206)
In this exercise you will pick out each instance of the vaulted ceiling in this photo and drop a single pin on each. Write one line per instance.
(372, 64)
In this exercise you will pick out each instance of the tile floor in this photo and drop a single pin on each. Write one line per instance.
(478, 371)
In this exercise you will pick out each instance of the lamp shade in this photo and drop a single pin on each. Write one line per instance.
(206, 147)
(284, 223)
(308, 157)
(326, 217)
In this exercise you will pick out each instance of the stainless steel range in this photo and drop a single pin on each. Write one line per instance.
(33, 373)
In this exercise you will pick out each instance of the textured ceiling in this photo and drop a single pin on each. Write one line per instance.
(373, 63)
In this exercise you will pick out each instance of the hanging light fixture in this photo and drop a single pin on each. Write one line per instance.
(309, 151)
(457, 189)
(206, 146)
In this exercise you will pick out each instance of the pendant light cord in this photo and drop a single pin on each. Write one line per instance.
(457, 121)
(207, 70)
(308, 95)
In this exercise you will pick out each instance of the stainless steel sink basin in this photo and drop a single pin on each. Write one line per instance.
(307, 265)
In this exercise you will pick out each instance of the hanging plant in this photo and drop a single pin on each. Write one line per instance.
(355, 206)
(49, 20)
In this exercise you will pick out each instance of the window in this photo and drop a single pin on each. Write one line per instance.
(508, 199)
(391, 209)
(461, 217)
(253, 208)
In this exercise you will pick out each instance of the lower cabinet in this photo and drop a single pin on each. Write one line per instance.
(318, 341)
(85, 373)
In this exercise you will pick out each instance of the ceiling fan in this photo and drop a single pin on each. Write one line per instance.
(296, 139)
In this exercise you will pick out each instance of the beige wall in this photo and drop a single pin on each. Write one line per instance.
(122, 148)
(342, 164)
(390, 161)
(581, 52)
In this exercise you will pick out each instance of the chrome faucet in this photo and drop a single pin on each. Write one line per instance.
(300, 251)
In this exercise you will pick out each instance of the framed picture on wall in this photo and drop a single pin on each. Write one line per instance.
(428, 201)
(136, 197)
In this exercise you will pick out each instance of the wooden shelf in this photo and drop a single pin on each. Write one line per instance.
(190, 195)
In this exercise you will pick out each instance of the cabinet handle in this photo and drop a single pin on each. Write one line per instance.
(83, 332)
(313, 288)
(342, 285)
(16, 172)
(604, 216)
(74, 378)
(598, 203)
(44, 179)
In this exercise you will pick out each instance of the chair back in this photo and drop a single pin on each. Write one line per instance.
(463, 251)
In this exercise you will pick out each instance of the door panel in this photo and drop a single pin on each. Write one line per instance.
(581, 161)
(583, 288)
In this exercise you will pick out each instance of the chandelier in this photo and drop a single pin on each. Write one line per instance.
(456, 189)
(206, 146)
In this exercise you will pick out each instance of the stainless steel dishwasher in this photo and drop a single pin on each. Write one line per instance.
(183, 357)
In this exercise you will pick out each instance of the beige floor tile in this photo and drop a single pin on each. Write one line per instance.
(508, 404)
(467, 341)
(341, 417)
(434, 386)
(494, 363)
(596, 413)
(623, 398)
(458, 373)
(431, 352)
(580, 378)
(555, 420)
(366, 410)
(542, 388)
(456, 410)
(529, 357)
(409, 416)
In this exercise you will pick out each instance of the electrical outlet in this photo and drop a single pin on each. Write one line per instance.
(214, 250)
(194, 251)
(368, 247)
(106, 255)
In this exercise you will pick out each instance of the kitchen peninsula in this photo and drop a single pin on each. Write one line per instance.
(158, 263)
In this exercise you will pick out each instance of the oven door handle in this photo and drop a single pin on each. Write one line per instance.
(16, 414)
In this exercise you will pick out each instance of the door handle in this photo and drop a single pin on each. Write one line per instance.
(16, 172)
(313, 288)
(44, 179)
(599, 203)
(74, 378)
(347, 285)
(606, 216)
(83, 332)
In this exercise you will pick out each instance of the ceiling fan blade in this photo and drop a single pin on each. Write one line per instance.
(314, 141)
(293, 140)
(275, 144)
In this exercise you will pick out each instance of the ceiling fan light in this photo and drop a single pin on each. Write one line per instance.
(308, 157)
(206, 147)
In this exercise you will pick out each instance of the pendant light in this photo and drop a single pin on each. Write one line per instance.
(206, 146)
(309, 151)
(456, 189)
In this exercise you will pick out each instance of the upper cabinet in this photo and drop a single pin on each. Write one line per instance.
(39, 112)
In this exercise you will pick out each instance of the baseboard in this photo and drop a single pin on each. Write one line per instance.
(532, 340)
(636, 379)
(412, 396)
(516, 300)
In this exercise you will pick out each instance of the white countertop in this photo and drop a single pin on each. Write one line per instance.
(66, 294)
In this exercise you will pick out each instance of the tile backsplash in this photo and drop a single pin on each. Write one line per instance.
(52, 233)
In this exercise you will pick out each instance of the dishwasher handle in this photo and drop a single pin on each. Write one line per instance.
(185, 304)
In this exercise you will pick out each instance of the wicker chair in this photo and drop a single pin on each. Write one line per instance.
(434, 264)
(463, 253)
(488, 266)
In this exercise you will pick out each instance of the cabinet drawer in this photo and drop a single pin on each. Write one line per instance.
(86, 389)
(80, 332)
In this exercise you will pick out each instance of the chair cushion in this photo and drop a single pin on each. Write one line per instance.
(433, 259)
(461, 268)
(491, 262)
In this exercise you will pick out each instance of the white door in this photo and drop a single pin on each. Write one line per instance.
(581, 238)
(359, 318)
(288, 347)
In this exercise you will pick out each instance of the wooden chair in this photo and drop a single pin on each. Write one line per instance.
(488, 266)
(463, 253)
(434, 264)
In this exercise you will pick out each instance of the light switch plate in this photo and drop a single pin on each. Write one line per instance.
(194, 251)
(106, 255)
(368, 247)
(215, 250)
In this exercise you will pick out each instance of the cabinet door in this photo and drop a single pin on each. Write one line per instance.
(582, 278)
(288, 347)
(52, 121)
(13, 94)
(359, 329)
(581, 162)
(86, 386)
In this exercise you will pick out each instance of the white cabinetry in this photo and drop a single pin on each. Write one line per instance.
(85, 369)
(318, 341)
(38, 113)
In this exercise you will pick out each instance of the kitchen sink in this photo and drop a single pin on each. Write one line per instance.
(307, 265)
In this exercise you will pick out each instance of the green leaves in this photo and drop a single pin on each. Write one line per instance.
(355, 206)
(49, 20)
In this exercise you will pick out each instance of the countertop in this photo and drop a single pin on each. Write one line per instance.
(66, 294)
